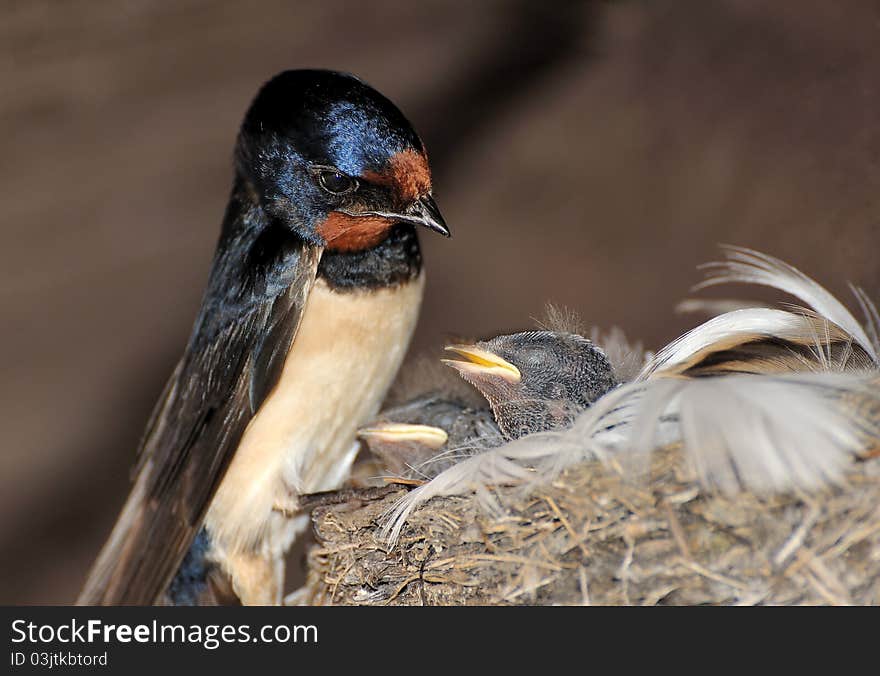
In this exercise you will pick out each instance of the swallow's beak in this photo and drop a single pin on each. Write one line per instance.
(422, 212)
(482, 363)
(399, 433)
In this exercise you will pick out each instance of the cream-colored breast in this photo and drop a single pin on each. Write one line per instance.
(344, 357)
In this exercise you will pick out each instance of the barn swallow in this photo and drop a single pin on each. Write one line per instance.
(536, 380)
(421, 438)
(311, 301)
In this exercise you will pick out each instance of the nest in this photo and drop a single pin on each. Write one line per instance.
(592, 537)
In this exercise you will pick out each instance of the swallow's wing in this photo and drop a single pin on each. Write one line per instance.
(233, 360)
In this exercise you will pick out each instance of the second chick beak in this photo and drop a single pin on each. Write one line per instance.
(398, 433)
(482, 363)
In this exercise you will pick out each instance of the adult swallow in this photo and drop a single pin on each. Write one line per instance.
(310, 304)
(536, 380)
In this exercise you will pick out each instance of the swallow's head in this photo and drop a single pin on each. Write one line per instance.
(332, 157)
(534, 374)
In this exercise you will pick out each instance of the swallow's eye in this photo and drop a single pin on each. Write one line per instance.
(336, 183)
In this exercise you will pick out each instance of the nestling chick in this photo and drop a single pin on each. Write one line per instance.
(533, 381)
(423, 437)
(536, 380)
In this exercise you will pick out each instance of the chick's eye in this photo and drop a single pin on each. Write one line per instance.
(535, 356)
(336, 183)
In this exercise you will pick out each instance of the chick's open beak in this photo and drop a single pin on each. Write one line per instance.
(398, 433)
(483, 363)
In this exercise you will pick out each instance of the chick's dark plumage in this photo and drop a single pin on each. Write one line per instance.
(424, 436)
(535, 380)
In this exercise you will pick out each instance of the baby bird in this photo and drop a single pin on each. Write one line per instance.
(533, 381)
(536, 380)
(421, 438)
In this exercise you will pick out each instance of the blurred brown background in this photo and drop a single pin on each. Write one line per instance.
(587, 153)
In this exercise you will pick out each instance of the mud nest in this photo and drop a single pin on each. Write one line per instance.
(593, 538)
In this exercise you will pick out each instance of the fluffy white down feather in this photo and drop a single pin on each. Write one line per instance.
(740, 326)
(747, 266)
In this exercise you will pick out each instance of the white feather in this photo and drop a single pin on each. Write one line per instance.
(753, 267)
(735, 327)
(872, 316)
(503, 465)
(763, 433)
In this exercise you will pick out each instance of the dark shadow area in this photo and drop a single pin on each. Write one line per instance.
(530, 42)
